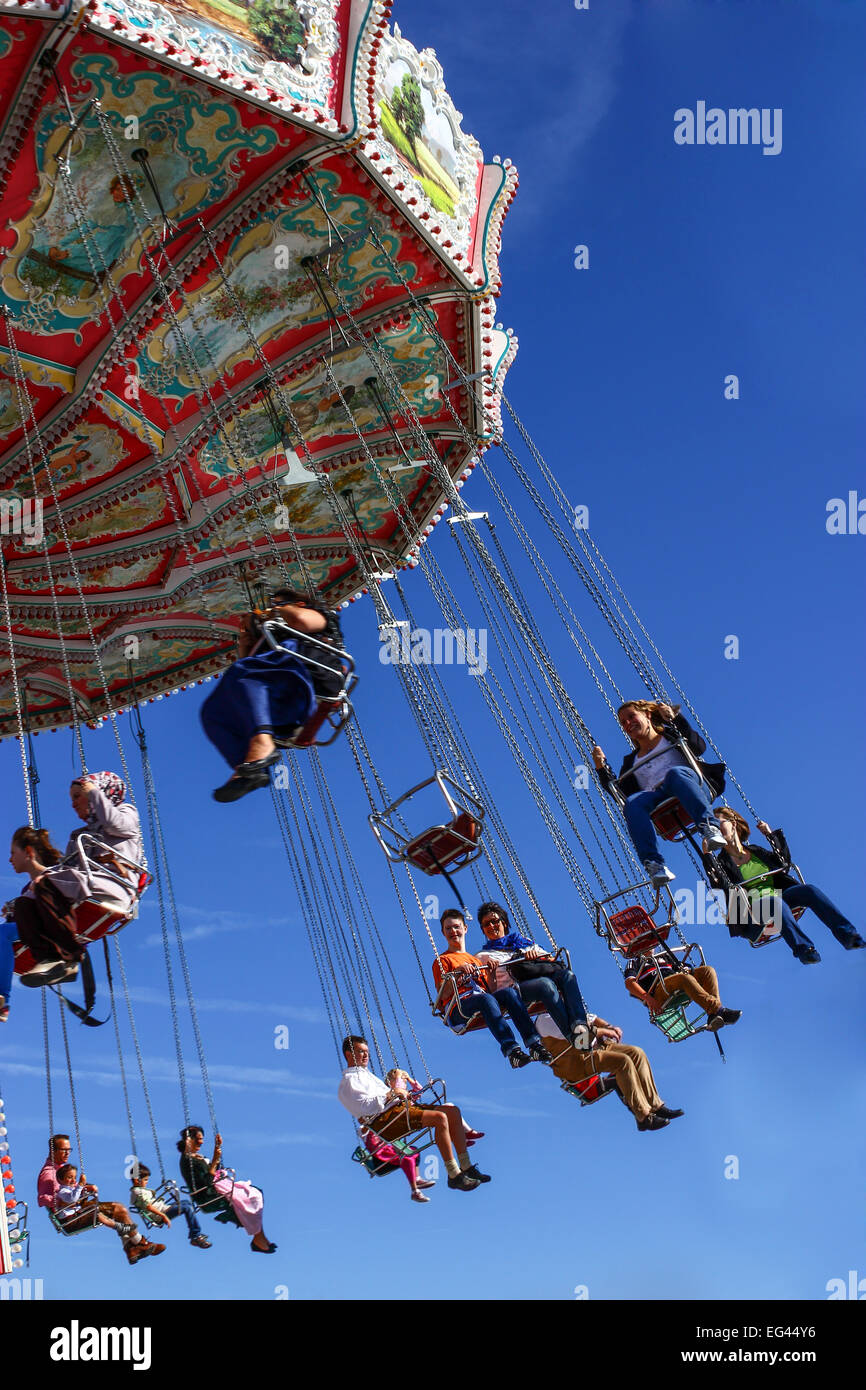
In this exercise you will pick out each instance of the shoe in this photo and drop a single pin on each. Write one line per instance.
(45, 972)
(715, 1021)
(70, 973)
(581, 1037)
(652, 1122)
(463, 1182)
(258, 1249)
(518, 1058)
(807, 955)
(200, 1242)
(419, 1197)
(539, 1053)
(134, 1253)
(474, 1173)
(659, 874)
(4, 1014)
(244, 782)
(731, 1015)
(854, 943)
(664, 1112)
(711, 832)
(149, 1248)
(473, 1134)
(425, 1182)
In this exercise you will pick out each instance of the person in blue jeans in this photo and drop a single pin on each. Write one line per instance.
(772, 890)
(162, 1210)
(266, 694)
(657, 769)
(469, 994)
(8, 937)
(539, 979)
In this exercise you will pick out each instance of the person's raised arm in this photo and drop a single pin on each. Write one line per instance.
(117, 820)
(298, 616)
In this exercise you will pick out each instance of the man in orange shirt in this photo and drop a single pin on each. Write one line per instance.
(466, 995)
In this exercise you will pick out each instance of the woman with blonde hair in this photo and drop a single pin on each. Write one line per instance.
(740, 863)
(658, 769)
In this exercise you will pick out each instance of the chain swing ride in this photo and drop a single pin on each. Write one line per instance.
(248, 342)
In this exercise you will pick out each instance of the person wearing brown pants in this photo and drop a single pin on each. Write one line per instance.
(628, 1065)
(654, 979)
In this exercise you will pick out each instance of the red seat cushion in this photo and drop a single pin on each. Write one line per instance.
(670, 819)
(448, 843)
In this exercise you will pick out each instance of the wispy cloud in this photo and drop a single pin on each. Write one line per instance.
(213, 922)
(144, 995)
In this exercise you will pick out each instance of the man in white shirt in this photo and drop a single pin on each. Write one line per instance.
(629, 1066)
(391, 1116)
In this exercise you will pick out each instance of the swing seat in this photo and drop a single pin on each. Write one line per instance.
(674, 1021)
(671, 820)
(331, 714)
(63, 1225)
(634, 930)
(333, 711)
(97, 917)
(207, 1202)
(594, 1088)
(454, 845)
(378, 1167)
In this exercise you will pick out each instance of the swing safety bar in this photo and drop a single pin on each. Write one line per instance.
(452, 845)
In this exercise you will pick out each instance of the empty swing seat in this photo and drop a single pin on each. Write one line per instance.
(671, 820)
(634, 930)
(445, 846)
(439, 848)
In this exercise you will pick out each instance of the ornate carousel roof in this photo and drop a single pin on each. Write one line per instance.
(321, 205)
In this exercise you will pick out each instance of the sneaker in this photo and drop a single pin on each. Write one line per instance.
(518, 1058)
(70, 973)
(539, 1053)
(463, 1182)
(200, 1242)
(715, 1021)
(652, 1122)
(731, 1015)
(473, 1134)
(474, 1173)
(710, 831)
(581, 1037)
(658, 873)
(419, 1197)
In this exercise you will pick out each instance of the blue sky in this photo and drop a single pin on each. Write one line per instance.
(703, 262)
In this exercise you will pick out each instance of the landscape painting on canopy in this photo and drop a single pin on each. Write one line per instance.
(274, 27)
(420, 134)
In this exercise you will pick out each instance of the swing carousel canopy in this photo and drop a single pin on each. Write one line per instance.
(320, 199)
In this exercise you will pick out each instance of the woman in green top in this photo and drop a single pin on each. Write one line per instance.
(764, 872)
(214, 1189)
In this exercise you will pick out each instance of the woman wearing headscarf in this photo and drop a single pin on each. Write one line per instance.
(268, 693)
(44, 914)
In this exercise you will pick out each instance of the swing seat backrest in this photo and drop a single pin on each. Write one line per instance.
(589, 1091)
(453, 845)
(634, 931)
(671, 820)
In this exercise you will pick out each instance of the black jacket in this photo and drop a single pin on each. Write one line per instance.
(723, 873)
(681, 729)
